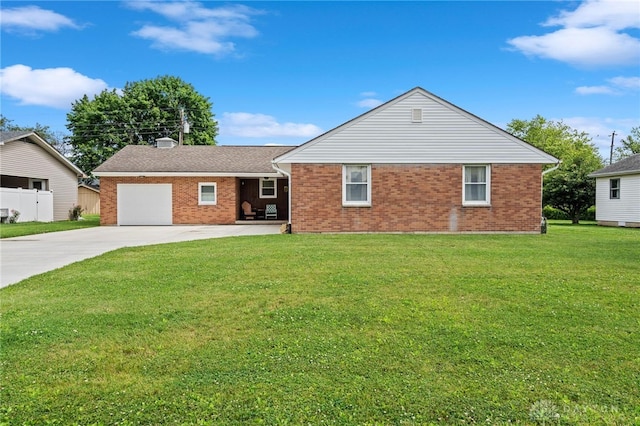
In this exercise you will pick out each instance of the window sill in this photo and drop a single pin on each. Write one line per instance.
(476, 205)
(357, 205)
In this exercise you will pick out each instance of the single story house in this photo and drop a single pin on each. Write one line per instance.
(35, 179)
(618, 193)
(414, 164)
(188, 184)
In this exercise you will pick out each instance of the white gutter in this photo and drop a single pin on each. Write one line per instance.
(288, 175)
(552, 169)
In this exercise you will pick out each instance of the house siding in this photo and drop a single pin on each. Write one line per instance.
(446, 135)
(26, 159)
(624, 211)
(89, 200)
(416, 198)
(185, 207)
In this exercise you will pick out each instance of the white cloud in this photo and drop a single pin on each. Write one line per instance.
(33, 19)
(369, 103)
(595, 90)
(52, 87)
(250, 125)
(616, 14)
(616, 86)
(368, 94)
(600, 130)
(626, 82)
(197, 28)
(582, 46)
(592, 35)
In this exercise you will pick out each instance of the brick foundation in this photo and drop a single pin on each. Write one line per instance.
(416, 198)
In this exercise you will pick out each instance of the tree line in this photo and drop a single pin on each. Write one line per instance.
(166, 106)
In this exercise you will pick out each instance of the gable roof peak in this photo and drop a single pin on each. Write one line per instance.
(417, 127)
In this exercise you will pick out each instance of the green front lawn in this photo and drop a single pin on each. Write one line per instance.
(332, 329)
(8, 230)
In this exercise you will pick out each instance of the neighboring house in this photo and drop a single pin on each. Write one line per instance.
(415, 164)
(168, 184)
(89, 199)
(618, 193)
(35, 179)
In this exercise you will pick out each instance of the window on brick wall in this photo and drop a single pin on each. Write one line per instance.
(476, 189)
(614, 189)
(356, 185)
(207, 193)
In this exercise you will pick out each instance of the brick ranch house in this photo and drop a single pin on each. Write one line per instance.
(414, 164)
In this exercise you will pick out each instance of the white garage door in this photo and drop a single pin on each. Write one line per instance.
(144, 204)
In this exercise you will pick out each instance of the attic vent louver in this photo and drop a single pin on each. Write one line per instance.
(165, 143)
(416, 115)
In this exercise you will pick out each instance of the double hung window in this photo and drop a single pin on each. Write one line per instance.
(476, 185)
(614, 189)
(207, 193)
(356, 185)
(268, 188)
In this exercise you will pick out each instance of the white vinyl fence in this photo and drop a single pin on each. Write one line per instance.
(33, 205)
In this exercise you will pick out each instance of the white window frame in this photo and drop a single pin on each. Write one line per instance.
(487, 200)
(612, 189)
(43, 184)
(202, 202)
(275, 187)
(347, 203)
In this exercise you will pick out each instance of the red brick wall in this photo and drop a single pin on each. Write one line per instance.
(416, 198)
(186, 210)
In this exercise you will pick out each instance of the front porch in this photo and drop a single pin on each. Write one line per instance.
(263, 200)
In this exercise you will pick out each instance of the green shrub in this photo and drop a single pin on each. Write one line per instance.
(75, 212)
(15, 214)
(553, 213)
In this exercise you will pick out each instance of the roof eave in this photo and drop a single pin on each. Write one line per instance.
(611, 174)
(270, 174)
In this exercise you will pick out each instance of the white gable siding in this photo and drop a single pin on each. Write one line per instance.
(388, 134)
(25, 159)
(624, 209)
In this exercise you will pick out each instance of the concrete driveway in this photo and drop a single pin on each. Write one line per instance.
(23, 257)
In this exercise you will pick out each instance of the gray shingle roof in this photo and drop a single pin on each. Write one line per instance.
(629, 165)
(10, 135)
(193, 159)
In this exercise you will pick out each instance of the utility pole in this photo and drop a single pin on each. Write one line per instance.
(181, 131)
(613, 135)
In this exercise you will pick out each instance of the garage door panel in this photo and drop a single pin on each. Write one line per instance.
(145, 204)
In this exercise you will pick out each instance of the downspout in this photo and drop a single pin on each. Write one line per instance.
(288, 175)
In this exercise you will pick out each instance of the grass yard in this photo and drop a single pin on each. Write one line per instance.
(8, 230)
(333, 329)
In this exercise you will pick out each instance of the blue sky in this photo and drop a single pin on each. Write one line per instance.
(284, 72)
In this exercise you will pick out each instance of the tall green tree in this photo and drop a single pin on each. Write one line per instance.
(139, 114)
(630, 145)
(568, 189)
